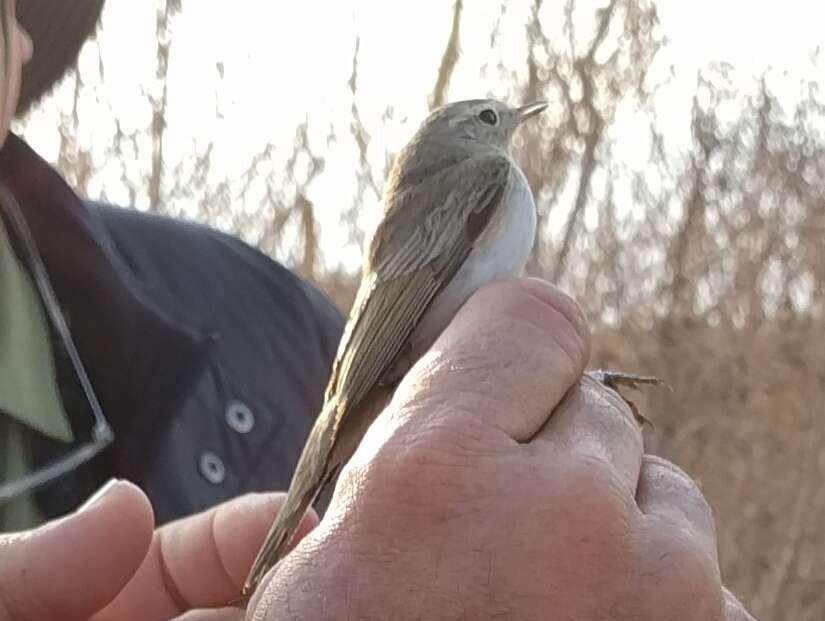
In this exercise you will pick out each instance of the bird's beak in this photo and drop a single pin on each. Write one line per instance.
(525, 112)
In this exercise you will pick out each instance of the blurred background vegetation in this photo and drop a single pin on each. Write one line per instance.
(689, 221)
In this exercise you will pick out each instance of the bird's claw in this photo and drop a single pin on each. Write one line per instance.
(616, 379)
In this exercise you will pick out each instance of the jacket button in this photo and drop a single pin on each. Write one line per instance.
(239, 417)
(212, 468)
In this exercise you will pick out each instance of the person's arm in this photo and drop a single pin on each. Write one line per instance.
(467, 500)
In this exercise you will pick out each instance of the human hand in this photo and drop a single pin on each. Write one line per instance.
(106, 562)
(466, 500)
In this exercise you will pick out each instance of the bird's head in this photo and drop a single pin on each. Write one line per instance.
(454, 133)
(485, 121)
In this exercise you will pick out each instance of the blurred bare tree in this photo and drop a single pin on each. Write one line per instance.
(165, 13)
(706, 267)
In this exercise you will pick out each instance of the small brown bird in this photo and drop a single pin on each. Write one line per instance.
(458, 214)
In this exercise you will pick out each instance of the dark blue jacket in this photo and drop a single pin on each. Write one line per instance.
(209, 359)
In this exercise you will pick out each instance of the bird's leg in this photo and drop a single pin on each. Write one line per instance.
(617, 379)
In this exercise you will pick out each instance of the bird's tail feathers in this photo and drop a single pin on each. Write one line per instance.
(280, 535)
(310, 475)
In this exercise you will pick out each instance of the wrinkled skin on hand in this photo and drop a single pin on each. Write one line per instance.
(466, 500)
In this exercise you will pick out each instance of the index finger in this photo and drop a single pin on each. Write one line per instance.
(594, 426)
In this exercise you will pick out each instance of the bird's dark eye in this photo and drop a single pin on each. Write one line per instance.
(488, 117)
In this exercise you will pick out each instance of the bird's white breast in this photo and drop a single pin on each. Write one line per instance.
(501, 251)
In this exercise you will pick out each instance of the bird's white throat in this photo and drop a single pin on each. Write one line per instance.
(500, 252)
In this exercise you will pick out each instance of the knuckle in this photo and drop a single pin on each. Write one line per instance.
(444, 441)
(597, 491)
(590, 509)
(430, 469)
(607, 396)
(615, 410)
(676, 478)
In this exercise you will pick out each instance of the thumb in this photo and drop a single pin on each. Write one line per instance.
(507, 359)
(72, 567)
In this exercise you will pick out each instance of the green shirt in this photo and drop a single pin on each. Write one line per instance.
(29, 394)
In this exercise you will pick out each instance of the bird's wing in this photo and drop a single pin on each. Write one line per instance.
(427, 233)
(414, 254)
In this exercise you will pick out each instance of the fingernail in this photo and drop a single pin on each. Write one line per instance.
(100, 493)
(668, 469)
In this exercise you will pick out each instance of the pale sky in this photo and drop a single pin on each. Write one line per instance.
(284, 65)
